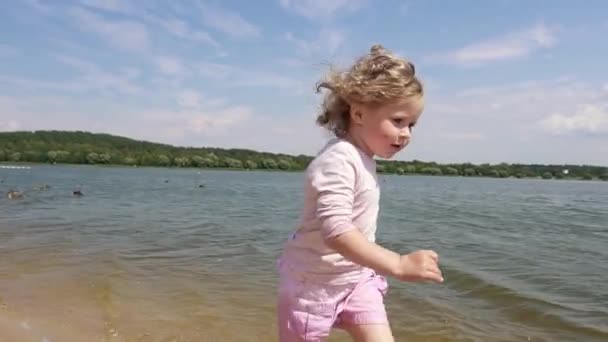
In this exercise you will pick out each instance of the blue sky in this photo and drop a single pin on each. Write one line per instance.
(506, 81)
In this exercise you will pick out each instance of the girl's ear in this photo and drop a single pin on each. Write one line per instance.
(356, 114)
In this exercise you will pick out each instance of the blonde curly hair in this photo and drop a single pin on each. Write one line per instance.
(376, 78)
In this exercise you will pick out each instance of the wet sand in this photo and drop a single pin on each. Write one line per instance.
(57, 306)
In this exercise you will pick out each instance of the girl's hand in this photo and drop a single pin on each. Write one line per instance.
(421, 265)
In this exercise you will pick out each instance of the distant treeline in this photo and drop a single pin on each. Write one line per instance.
(92, 148)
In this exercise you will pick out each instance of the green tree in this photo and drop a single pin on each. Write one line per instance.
(269, 163)
(233, 163)
(163, 160)
(104, 158)
(52, 156)
(34, 156)
(431, 171)
(92, 158)
(470, 172)
(209, 162)
(79, 147)
(450, 171)
(182, 161)
(197, 161)
(130, 161)
(284, 164)
(63, 156)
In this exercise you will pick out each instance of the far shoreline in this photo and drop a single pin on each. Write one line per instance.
(123, 166)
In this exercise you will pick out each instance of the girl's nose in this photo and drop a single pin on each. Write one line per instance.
(405, 132)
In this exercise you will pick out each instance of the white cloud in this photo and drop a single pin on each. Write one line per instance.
(198, 121)
(178, 26)
(82, 65)
(181, 29)
(443, 108)
(218, 120)
(175, 26)
(170, 65)
(513, 45)
(11, 103)
(216, 71)
(321, 9)
(109, 5)
(476, 136)
(295, 134)
(9, 125)
(293, 62)
(124, 34)
(518, 101)
(587, 119)
(228, 22)
(514, 111)
(310, 53)
(328, 42)
(514, 122)
(186, 126)
(49, 85)
(34, 112)
(38, 6)
(245, 77)
(192, 99)
(93, 78)
(8, 51)
(266, 79)
(189, 99)
(9, 110)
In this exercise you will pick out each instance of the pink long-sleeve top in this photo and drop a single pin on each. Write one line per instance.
(341, 193)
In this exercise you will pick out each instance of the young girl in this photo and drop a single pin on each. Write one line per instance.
(331, 270)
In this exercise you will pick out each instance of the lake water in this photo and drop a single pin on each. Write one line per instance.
(153, 254)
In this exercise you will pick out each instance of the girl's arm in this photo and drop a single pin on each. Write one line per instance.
(333, 178)
(416, 266)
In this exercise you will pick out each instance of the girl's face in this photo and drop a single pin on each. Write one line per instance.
(386, 129)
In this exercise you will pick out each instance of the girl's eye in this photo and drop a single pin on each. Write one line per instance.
(412, 125)
(397, 121)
